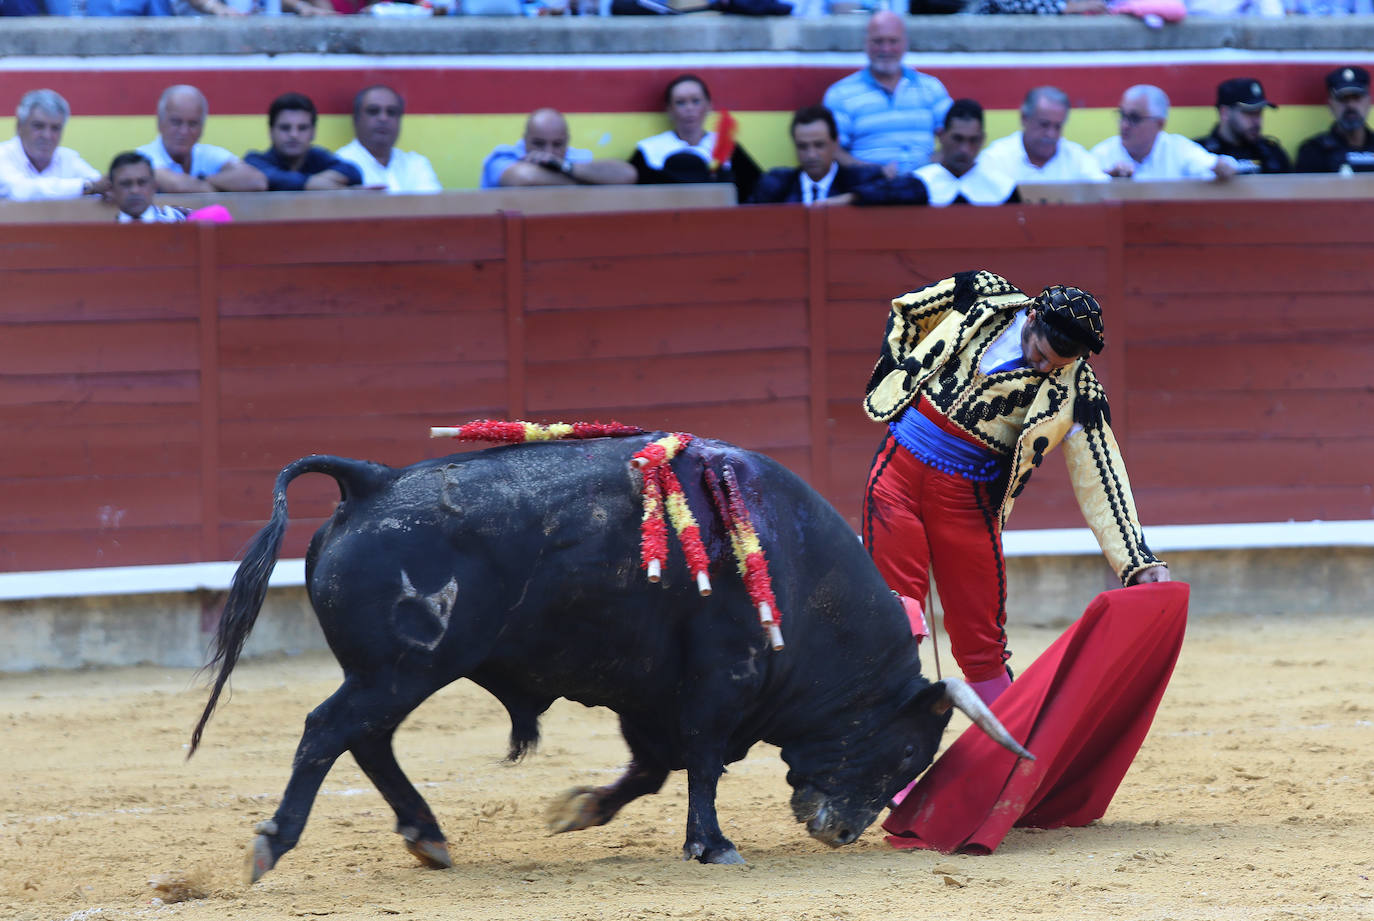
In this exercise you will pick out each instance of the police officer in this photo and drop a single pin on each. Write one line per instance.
(1240, 114)
(1349, 145)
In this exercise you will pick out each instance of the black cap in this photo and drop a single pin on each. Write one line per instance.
(1245, 92)
(1072, 312)
(1348, 80)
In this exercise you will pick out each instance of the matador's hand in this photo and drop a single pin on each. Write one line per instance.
(1158, 573)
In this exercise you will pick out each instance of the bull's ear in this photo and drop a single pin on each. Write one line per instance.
(933, 698)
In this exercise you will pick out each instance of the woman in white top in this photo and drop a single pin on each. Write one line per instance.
(683, 153)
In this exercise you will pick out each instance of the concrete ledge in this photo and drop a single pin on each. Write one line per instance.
(163, 615)
(701, 32)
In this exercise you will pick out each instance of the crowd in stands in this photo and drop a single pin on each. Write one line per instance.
(1154, 12)
(886, 134)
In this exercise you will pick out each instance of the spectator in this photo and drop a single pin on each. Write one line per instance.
(685, 152)
(180, 162)
(1144, 150)
(1329, 7)
(1042, 7)
(1039, 152)
(129, 8)
(377, 112)
(1240, 119)
(820, 174)
(887, 114)
(132, 188)
(1348, 146)
(542, 157)
(1270, 8)
(293, 163)
(33, 165)
(958, 177)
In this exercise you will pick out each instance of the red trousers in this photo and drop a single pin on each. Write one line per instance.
(918, 520)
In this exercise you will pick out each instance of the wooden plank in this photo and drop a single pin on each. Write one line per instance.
(1009, 227)
(878, 276)
(103, 449)
(665, 280)
(71, 247)
(1290, 503)
(84, 548)
(647, 332)
(99, 503)
(113, 293)
(819, 369)
(713, 232)
(1321, 365)
(367, 286)
(209, 340)
(515, 316)
(395, 439)
(1221, 317)
(1196, 225)
(856, 325)
(570, 388)
(344, 242)
(99, 347)
(1202, 464)
(347, 338)
(344, 391)
(60, 394)
(1332, 416)
(1290, 267)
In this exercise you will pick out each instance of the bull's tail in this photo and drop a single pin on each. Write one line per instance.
(249, 587)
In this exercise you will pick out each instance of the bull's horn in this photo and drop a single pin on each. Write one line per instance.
(959, 694)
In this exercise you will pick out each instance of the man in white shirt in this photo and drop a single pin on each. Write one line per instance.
(377, 112)
(180, 162)
(132, 189)
(959, 176)
(34, 165)
(1144, 150)
(1039, 152)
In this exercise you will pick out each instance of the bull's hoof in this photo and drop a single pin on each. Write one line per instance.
(575, 810)
(260, 858)
(433, 854)
(720, 855)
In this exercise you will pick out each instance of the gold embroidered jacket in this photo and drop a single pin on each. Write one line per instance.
(934, 339)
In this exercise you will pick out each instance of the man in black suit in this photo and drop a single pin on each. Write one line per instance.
(820, 175)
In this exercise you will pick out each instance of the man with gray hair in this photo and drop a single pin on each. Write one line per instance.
(1144, 150)
(1039, 152)
(180, 162)
(34, 165)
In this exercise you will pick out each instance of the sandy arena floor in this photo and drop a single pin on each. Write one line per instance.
(1253, 798)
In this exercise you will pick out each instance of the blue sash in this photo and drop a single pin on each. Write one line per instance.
(944, 451)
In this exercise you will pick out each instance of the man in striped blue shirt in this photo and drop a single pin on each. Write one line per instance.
(887, 114)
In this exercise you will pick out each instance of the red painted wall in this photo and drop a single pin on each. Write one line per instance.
(156, 378)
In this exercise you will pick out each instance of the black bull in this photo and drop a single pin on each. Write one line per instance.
(518, 568)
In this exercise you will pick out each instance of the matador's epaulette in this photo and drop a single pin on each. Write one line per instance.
(1090, 408)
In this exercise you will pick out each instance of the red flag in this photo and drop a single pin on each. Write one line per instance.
(725, 140)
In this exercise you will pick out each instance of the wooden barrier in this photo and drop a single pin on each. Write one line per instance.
(371, 203)
(157, 377)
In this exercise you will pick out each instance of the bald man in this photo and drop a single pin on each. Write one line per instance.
(180, 162)
(887, 113)
(543, 157)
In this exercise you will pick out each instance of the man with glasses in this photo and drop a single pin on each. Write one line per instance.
(1348, 146)
(1144, 150)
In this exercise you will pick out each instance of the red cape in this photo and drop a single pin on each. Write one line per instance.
(1082, 709)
